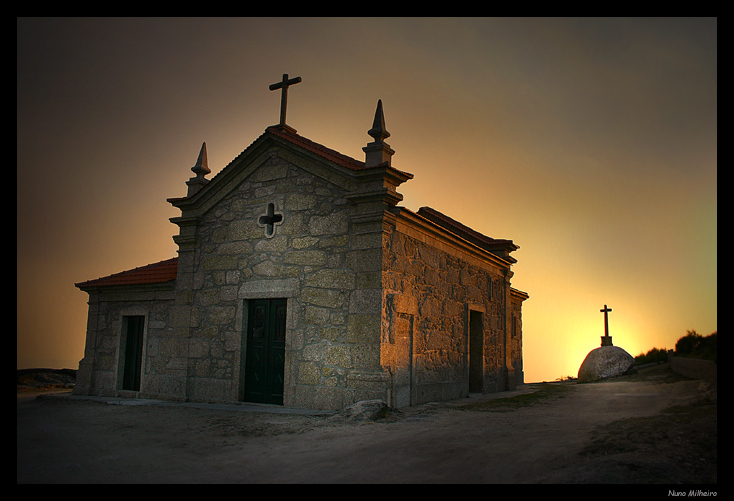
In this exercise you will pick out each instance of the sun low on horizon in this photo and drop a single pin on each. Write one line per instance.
(590, 143)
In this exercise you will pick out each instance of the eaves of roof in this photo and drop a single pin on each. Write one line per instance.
(160, 272)
(464, 231)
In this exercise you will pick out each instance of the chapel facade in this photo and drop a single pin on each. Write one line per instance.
(300, 281)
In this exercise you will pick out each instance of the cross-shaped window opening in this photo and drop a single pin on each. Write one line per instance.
(269, 220)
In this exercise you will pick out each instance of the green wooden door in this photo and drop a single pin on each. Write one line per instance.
(265, 360)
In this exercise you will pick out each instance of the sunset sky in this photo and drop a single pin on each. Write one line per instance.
(591, 143)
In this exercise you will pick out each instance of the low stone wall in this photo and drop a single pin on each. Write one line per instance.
(694, 368)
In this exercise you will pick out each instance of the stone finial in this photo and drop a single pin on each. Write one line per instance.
(201, 169)
(202, 163)
(378, 151)
(378, 131)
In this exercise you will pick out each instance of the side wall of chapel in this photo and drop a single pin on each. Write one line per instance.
(430, 291)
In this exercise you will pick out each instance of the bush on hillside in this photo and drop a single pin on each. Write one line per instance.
(694, 345)
(656, 356)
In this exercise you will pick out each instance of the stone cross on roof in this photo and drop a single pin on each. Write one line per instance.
(283, 85)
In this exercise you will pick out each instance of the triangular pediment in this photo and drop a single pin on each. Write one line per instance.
(256, 164)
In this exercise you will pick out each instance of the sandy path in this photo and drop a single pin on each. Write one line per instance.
(62, 439)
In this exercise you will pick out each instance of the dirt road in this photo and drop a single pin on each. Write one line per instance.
(647, 428)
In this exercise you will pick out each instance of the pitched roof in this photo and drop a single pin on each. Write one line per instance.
(327, 153)
(497, 246)
(319, 149)
(160, 272)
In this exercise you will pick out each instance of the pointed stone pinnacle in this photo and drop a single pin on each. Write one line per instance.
(378, 152)
(378, 130)
(201, 168)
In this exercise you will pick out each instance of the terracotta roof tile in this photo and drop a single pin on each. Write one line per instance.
(321, 150)
(163, 271)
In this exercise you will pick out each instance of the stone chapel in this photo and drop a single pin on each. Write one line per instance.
(301, 282)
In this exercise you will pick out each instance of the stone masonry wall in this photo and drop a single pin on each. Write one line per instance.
(100, 371)
(428, 295)
(516, 302)
(330, 278)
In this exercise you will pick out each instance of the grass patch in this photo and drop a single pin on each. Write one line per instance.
(546, 393)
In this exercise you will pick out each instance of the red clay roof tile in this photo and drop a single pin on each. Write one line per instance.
(163, 271)
(321, 150)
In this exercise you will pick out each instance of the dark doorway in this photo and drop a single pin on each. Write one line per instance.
(476, 352)
(265, 360)
(133, 331)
